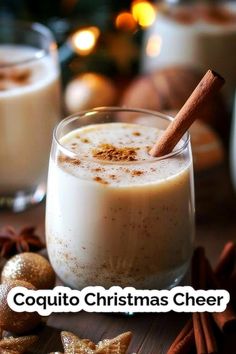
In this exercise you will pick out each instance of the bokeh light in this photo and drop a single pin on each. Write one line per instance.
(126, 22)
(153, 47)
(84, 40)
(144, 13)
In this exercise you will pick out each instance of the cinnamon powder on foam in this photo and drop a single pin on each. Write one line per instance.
(108, 152)
(13, 76)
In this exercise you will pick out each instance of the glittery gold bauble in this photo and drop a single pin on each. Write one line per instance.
(16, 322)
(30, 267)
(89, 90)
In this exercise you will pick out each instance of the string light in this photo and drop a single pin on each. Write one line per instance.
(125, 21)
(153, 47)
(143, 12)
(84, 40)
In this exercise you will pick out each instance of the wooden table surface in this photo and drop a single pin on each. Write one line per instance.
(152, 333)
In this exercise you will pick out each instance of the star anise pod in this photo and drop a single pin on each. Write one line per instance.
(25, 240)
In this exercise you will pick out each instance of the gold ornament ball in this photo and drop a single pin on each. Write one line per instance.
(16, 322)
(89, 90)
(30, 267)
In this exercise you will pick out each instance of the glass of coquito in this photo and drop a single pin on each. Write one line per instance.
(116, 215)
(29, 109)
(193, 33)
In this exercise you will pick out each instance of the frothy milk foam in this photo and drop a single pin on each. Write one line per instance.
(28, 112)
(115, 215)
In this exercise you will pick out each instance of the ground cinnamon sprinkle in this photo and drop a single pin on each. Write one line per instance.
(100, 180)
(16, 76)
(136, 173)
(136, 133)
(73, 146)
(85, 140)
(109, 152)
(66, 159)
(98, 169)
(113, 177)
(20, 76)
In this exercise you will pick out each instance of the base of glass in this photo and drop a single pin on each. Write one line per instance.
(22, 200)
(164, 280)
(182, 278)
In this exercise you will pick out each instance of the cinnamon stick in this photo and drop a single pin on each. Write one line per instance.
(231, 287)
(184, 341)
(226, 320)
(200, 330)
(226, 262)
(210, 340)
(208, 86)
(199, 334)
(204, 336)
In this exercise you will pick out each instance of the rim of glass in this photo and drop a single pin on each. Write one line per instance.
(90, 112)
(36, 27)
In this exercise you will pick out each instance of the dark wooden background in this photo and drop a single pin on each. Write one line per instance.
(152, 333)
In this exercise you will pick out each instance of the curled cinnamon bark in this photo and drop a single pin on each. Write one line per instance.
(184, 341)
(200, 329)
(203, 332)
(226, 320)
(226, 262)
(207, 87)
(199, 334)
(210, 341)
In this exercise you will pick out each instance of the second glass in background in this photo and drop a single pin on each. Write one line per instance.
(29, 109)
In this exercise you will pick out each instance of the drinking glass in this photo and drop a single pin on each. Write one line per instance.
(196, 34)
(233, 146)
(104, 232)
(29, 109)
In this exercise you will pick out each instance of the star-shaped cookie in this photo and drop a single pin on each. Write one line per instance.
(16, 345)
(117, 345)
(74, 345)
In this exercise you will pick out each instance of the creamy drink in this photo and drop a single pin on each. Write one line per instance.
(116, 215)
(194, 34)
(29, 108)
